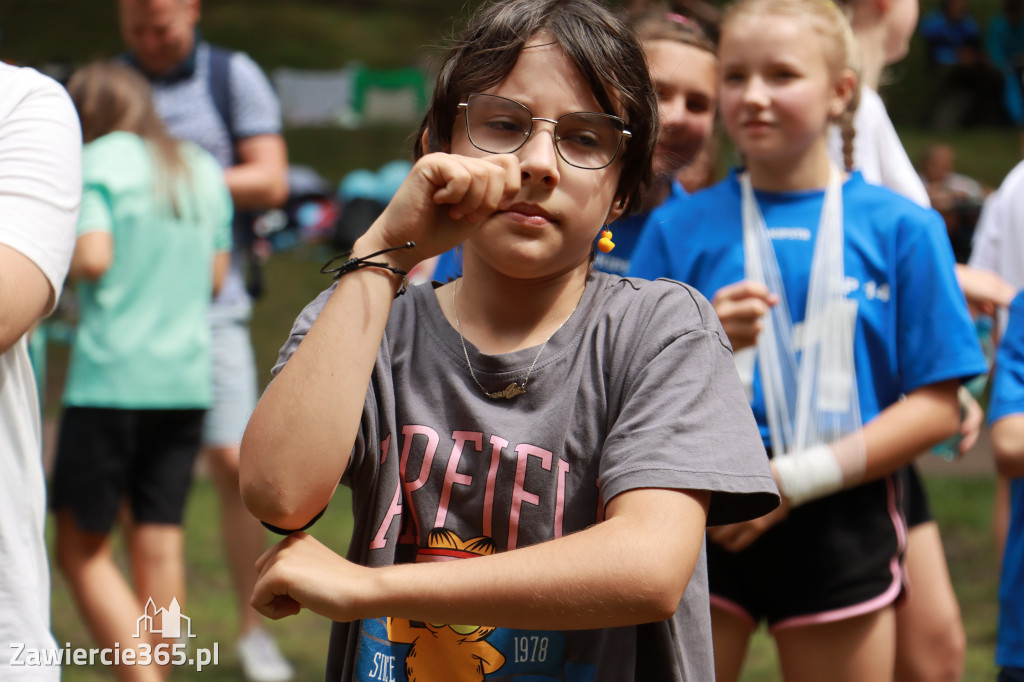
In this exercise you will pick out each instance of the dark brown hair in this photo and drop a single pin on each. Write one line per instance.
(601, 46)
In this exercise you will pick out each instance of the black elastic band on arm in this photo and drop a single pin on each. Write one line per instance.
(283, 531)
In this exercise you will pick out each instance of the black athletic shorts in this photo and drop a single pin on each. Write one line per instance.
(107, 455)
(1011, 674)
(915, 501)
(833, 558)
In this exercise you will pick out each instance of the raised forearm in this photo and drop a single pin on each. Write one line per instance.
(299, 439)
(297, 443)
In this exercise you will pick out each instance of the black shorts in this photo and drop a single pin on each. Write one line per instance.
(833, 558)
(107, 455)
(915, 501)
(1011, 674)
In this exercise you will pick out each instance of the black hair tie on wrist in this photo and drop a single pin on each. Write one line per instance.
(353, 264)
(286, 531)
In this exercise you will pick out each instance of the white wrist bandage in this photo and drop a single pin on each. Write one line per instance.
(808, 475)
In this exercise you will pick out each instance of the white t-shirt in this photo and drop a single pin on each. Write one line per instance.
(40, 188)
(877, 151)
(999, 236)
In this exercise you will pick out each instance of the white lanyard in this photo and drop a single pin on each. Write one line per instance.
(810, 398)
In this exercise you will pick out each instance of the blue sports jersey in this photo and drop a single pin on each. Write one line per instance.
(1007, 399)
(626, 233)
(913, 328)
(1008, 384)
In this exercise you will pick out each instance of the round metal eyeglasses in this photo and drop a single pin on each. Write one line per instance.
(584, 139)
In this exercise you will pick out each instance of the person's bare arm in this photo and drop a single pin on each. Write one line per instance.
(1008, 445)
(25, 295)
(985, 290)
(297, 443)
(631, 568)
(221, 264)
(40, 190)
(890, 441)
(94, 253)
(260, 178)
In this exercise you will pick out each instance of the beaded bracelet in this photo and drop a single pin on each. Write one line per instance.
(364, 262)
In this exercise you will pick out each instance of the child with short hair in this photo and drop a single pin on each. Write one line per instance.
(684, 71)
(565, 433)
(848, 292)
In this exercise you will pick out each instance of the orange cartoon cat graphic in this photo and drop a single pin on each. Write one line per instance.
(447, 653)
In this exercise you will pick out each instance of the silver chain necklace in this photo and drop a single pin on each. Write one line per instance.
(513, 389)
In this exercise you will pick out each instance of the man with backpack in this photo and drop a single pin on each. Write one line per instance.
(222, 101)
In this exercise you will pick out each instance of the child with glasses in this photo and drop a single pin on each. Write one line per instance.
(684, 71)
(534, 449)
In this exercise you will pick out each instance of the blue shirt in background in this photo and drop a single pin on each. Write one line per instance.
(913, 328)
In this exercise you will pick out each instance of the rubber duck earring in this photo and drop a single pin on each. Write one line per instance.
(605, 243)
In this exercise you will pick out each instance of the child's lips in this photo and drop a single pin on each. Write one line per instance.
(529, 214)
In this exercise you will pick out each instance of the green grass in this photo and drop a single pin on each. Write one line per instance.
(963, 508)
(210, 601)
(292, 281)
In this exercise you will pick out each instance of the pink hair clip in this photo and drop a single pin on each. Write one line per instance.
(679, 18)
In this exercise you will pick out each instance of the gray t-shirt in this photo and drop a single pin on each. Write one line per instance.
(637, 390)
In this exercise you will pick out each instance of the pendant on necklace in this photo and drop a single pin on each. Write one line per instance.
(509, 392)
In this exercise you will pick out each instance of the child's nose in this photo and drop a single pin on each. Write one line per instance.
(673, 112)
(538, 158)
(756, 92)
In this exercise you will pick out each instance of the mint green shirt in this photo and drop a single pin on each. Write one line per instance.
(143, 340)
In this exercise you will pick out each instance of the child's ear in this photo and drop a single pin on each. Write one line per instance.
(618, 206)
(871, 11)
(844, 89)
(425, 143)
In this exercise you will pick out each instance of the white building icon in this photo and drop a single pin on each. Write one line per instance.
(170, 627)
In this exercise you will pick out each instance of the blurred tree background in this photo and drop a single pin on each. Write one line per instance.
(385, 34)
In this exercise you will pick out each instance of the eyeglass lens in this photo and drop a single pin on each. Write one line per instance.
(501, 126)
